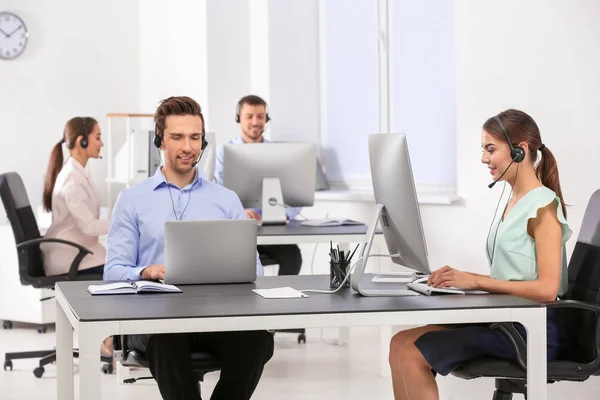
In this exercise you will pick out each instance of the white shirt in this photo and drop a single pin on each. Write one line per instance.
(75, 217)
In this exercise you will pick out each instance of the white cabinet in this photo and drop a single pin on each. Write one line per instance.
(19, 302)
(127, 150)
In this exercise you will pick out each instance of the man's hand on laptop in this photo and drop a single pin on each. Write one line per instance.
(154, 272)
(252, 214)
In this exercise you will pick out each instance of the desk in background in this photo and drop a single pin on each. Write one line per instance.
(236, 308)
(296, 233)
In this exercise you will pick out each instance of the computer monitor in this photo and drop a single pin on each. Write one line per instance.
(397, 210)
(271, 176)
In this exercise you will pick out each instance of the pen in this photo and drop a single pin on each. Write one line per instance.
(352, 255)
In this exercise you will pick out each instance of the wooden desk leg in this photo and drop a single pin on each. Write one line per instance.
(89, 339)
(64, 356)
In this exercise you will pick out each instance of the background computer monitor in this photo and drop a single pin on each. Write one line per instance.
(286, 172)
(394, 188)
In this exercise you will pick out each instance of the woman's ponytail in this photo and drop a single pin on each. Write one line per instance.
(547, 172)
(54, 166)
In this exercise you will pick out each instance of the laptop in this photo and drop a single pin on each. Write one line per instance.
(202, 252)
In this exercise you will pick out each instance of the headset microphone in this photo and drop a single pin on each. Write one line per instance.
(198, 160)
(491, 185)
(517, 153)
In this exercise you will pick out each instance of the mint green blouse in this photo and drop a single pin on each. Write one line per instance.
(513, 256)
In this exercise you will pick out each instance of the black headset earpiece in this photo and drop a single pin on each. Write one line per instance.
(516, 153)
(84, 139)
(157, 139)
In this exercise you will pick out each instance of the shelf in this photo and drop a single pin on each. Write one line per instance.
(133, 115)
(124, 181)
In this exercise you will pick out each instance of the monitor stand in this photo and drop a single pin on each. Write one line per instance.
(273, 207)
(361, 264)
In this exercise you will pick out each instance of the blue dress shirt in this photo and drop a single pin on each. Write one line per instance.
(136, 235)
(291, 212)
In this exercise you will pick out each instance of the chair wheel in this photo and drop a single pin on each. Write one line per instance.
(107, 368)
(7, 325)
(301, 338)
(42, 329)
(38, 372)
(7, 365)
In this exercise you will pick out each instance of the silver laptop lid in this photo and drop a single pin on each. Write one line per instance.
(222, 251)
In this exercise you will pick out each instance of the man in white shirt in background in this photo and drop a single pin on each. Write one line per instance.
(252, 115)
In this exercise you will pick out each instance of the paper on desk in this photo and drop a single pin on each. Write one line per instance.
(279, 293)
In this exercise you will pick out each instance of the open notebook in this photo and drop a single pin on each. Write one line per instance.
(132, 288)
(420, 286)
(330, 222)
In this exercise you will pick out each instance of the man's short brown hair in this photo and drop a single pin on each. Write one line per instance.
(176, 105)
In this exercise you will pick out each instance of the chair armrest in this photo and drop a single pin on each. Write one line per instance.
(574, 304)
(515, 339)
(594, 365)
(520, 345)
(76, 261)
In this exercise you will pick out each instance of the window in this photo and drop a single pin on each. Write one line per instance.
(388, 67)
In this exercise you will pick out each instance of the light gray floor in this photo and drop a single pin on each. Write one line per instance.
(319, 369)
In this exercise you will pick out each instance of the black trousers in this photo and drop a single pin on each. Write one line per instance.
(92, 271)
(243, 356)
(288, 257)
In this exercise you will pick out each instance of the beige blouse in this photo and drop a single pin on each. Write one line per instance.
(75, 217)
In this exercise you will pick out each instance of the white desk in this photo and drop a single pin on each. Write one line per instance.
(236, 308)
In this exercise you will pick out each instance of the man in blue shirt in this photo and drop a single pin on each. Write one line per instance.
(251, 114)
(135, 250)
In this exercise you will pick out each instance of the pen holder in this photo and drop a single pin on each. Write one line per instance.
(337, 274)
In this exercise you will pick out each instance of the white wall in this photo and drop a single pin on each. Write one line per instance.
(81, 59)
(172, 51)
(228, 59)
(294, 70)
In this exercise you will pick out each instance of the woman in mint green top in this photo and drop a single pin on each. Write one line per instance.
(514, 257)
(525, 248)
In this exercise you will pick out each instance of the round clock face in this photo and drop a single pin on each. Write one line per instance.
(13, 36)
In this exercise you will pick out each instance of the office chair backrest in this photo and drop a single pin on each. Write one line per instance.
(584, 283)
(23, 223)
(207, 163)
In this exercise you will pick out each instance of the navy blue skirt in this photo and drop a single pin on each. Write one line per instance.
(446, 350)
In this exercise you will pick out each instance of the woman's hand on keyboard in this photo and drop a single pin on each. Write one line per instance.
(450, 277)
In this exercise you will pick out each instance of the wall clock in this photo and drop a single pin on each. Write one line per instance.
(13, 36)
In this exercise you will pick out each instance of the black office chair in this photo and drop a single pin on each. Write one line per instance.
(31, 267)
(202, 363)
(266, 261)
(580, 314)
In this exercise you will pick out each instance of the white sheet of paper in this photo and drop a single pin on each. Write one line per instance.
(279, 293)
